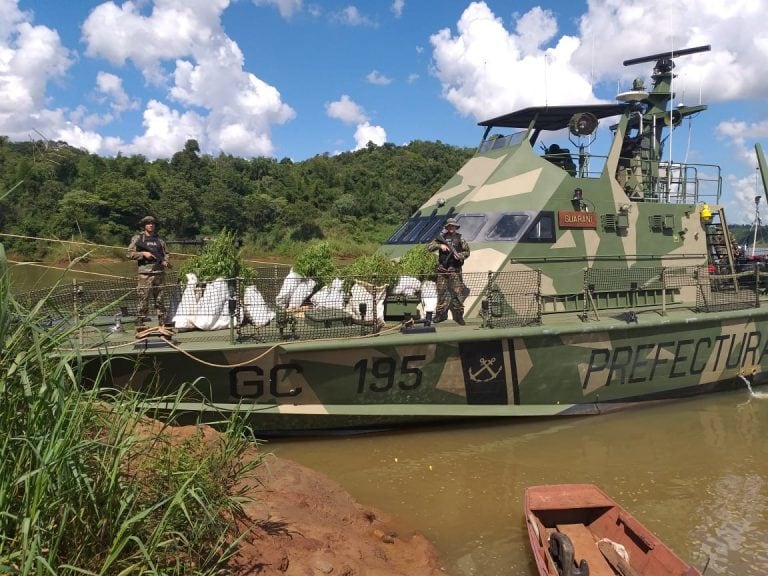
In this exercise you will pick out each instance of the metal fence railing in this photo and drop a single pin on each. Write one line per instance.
(278, 305)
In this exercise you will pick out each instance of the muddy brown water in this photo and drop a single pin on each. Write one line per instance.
(694, 471)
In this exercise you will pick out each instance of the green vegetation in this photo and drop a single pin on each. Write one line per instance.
(418, 262)
(317, 262)
(220, 258)
(354, 200)
(90, 488)
(375, 269)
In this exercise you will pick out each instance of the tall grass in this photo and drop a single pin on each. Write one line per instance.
(88, 487)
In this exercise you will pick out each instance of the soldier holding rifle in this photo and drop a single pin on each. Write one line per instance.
(150, 251)
(453, 250)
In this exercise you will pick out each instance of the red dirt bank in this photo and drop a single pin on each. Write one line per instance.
(305, 524)
(299, 522)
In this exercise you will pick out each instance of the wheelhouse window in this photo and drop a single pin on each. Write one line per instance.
(508, 227)
(542, 229)
(471, 224)
(496, 141)
(417, 230)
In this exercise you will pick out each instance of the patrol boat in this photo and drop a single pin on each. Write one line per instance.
(596, 281)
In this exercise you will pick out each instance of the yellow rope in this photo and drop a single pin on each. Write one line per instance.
(148, 332)
(268, 350)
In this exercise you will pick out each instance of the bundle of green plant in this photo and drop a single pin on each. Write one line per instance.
(83, 487)
(316, 262)
(219, 258)
(375, 269)
(418, 262)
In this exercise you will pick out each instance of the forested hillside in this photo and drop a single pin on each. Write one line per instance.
(355, 200)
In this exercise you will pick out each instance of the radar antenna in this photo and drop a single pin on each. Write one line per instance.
(668, 55)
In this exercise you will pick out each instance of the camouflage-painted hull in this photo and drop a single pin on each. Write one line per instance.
(595, 281)
(559, 368)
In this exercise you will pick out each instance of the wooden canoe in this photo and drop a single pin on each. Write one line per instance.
(578, 530)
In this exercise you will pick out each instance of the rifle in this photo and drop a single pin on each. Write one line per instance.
(440, 238)
(159, 256)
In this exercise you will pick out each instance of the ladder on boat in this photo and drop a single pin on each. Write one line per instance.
(719, 245)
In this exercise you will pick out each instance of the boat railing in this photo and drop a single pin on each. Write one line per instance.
(276, 306)
(679, 183)
(670, 182)
(279, 305)
(655, 288)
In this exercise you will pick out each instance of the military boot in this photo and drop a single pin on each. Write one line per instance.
(458, 317)
(440, 317)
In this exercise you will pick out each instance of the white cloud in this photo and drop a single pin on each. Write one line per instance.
(165, 132)
(485, 70)
(30, 57)
(287, 8)
(112, 87)
(366, 133)
(740, 204)
(181, 44)
(413, 77)
(346, 110)
(397, 8)
(376, 77)
(349, 112)
(614, 31)
(351, 16)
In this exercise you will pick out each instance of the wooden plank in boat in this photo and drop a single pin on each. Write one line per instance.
(584, 546)
(621, 565)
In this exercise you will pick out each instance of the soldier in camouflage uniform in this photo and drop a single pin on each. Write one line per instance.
(450, 286)
(150, 251)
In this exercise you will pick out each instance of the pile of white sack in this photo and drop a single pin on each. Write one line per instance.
(208, 309)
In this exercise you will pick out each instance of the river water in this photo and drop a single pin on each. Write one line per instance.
(695, 472)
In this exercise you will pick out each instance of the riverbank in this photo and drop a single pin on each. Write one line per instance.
(299, 522)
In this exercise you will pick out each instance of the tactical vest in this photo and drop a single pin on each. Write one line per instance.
(447, 259)
(154, 246)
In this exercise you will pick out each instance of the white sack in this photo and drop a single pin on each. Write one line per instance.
(185, 313)
(330, 296)
(407, 285)
(429, 296)
(290, 283)
(301, 292)
(256, 309)
(372, 296)
(213, 307)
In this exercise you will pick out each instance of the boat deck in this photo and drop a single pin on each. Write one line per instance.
(101, 333)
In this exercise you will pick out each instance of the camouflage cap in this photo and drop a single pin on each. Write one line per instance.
(148, 220)
(452, 222)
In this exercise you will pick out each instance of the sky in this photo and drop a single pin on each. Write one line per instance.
(297, 78)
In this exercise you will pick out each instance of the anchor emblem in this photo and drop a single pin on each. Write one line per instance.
(486, 365)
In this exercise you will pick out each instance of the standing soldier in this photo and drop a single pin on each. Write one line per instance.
(150, 251)
(450, 285)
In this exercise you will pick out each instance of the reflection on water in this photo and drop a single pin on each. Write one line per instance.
(694, 472)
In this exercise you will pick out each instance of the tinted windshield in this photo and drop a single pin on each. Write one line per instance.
(471, 224)
(508, 227)
(417, 230)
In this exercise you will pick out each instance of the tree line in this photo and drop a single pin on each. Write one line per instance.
(355, 200)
